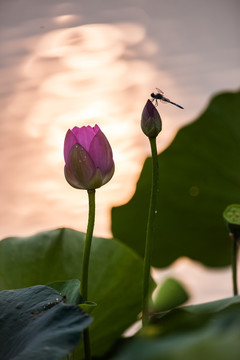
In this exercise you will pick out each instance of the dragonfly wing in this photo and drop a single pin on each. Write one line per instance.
(164, 101)
(159, 91)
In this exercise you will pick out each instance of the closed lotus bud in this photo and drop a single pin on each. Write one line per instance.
(151, 122)
(88, 158)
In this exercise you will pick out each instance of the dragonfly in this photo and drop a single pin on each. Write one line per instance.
(160, 96)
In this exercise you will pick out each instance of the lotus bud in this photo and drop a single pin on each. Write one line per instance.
(151, 122)
(88, 158)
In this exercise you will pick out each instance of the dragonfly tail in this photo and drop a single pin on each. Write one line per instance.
(176, 105)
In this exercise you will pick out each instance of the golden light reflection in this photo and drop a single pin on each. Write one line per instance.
(65, 19)
(77, 76)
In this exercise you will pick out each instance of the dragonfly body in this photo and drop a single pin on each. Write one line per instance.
(160, 96)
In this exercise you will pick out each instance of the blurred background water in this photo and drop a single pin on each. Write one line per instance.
(74, 63)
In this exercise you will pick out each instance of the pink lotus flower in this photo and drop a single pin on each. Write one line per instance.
(88, 158)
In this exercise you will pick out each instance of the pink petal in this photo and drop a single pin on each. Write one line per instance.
(101, 153)
(108, 175)
(85, 134)
(70, 140)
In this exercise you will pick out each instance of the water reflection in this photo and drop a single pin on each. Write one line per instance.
(73, 76)
(57, 74)
(65, 64)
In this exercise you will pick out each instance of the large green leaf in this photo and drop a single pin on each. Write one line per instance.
(115, 276)
(199, 177)
(36, 324)
(200, 332)
(71, 291)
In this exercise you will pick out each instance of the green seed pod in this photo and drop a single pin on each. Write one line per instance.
(232, 217)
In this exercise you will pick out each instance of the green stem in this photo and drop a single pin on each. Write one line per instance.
(150, 230)
(86, 343)
(234, 265)
(85, 264)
